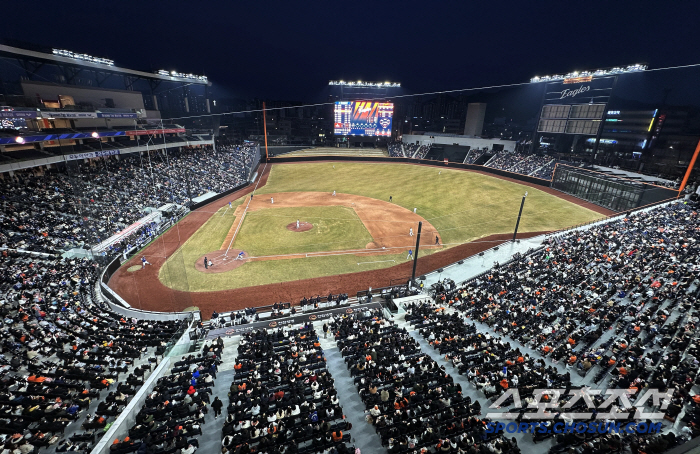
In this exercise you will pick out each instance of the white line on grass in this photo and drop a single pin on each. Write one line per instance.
(378, 261)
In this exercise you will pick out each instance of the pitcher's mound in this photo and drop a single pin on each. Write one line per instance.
(220, 262)
(131, 269)
(303, 226)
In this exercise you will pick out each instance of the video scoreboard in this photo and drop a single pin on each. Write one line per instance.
(363, 118)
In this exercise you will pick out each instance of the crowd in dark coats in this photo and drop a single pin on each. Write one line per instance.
(52, 211)
(171, 418)
(60, 351)
(631, 280)
(413, 403)
(525, 164)
(282, 399)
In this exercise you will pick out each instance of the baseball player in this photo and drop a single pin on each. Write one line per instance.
(297, 224)
(206, 263)
(144, 262)
(240, 255)
(272, 200)
(333, 193)
(410, 232)
(410, 254)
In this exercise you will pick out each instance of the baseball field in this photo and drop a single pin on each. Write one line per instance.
(353, 217)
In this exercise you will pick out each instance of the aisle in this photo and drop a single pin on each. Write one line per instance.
(363, 434)
(210, 440)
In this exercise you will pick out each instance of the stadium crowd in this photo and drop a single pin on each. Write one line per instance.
(174, 411)
(396, 150)
(282, 399)
(618, 301)
(412, 402)
(52, 211)
(539, 166)
(474, 155)
(67, 362)
(408, 150)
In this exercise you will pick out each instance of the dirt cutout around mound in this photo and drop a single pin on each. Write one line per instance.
(303, 226)
(221, 261)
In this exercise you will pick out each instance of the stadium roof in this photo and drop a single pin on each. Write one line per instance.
(99, 64)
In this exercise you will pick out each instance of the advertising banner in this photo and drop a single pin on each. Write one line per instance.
(71, 115)
(91, 154)
(116, 115)
(144, 132)
(293, 320)
(13, 114)
(572, 91)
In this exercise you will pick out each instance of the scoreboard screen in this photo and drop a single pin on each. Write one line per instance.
(363, 118)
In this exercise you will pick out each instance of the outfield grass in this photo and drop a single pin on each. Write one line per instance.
(335, 228)
(463, 206)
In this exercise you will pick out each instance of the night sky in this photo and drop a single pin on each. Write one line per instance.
(288, 50)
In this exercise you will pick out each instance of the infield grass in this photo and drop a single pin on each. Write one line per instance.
(463, 206)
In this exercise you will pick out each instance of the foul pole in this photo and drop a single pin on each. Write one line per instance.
(690, 169)
(265, 131)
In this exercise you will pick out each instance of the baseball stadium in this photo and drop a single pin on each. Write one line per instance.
(493, 270)
(356, 238)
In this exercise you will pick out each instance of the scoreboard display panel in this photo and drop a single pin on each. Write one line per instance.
(363, 118)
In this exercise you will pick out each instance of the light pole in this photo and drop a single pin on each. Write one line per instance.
(522, 204)
(415, 256)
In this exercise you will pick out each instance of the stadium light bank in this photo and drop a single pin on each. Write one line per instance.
(361, 84)
(83, 57)
(163, 72)
(577, 75)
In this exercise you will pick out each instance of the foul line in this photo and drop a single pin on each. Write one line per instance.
(250, 199)
(378, 261)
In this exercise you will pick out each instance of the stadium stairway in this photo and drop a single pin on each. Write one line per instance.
(363, 434)
(210, 440)
(540, 168)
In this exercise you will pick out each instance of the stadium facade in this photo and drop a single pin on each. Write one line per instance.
(58, 106)
(616, 119)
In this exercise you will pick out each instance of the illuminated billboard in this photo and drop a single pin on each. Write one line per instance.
(363, 118)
